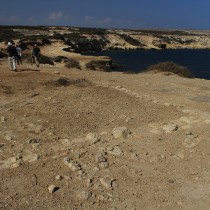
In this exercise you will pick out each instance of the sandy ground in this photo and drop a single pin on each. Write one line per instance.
(103, 140)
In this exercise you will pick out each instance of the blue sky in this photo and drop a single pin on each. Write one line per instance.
(136, 14)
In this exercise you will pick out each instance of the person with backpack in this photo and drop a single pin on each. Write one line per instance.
(12, 56)
(19, 56)
(36, 53)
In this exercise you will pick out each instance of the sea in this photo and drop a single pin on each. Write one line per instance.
(197, 61)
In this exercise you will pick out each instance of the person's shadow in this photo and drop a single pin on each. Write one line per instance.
(27, 69)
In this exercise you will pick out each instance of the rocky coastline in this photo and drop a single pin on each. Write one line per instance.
(64, 42)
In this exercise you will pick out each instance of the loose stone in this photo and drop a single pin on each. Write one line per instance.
(58, 177)
(120, 132)
(84, 195)
(170, 127)
(73, 165)
(106, 182)
(92, 137)
(116, 150)
(52, 188)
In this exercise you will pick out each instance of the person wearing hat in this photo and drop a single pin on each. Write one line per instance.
(36, 53)
(12, 54)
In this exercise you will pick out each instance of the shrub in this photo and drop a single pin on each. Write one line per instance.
(59, 59)
(33, 37)
(7, 35)
(22, 45)
(167, 32)
(62, 81)
(170, 67)
(65, 82)
(46, 41)
(26, 55)
(100, 65)
(4, 27)
(73, 64)
(80, 43)
(58, 36)
(2, 54)
(46, 60)
(95, 31)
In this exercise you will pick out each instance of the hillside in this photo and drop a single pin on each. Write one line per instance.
(93, 39)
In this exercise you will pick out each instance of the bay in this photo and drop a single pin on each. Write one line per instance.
(197, 61)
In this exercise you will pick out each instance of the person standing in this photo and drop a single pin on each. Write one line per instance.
(19, 56)
(36, 53)
(12, 55)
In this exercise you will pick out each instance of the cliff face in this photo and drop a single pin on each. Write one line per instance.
(138, 39)
(92, 39)
(148, 39)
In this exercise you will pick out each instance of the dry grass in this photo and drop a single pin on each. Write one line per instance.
(170, 67)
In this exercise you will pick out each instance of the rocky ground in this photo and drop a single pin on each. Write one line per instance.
(73, 139)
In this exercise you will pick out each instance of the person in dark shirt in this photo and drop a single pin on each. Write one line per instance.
(36, 53)
(12, 55)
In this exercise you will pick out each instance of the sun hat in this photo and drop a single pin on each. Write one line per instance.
(9, 43)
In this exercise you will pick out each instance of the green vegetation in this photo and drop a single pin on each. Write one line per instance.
(58, 36)
(45, 28)
(46, 41)
(130, 40)
(167, 32)
(93, 31)
(80, 43)
(7, 35)
(32, 39)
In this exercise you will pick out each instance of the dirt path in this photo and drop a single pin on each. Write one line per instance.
(104, 140)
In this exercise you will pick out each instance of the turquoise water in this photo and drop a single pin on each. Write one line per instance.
(197, 61)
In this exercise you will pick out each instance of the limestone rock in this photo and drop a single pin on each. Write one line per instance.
(170, 127)
(103, 165)
(52, 188)
(106, 182)
(2, 119)
(73, 165)
(116, 150)
(100, 158)
(58, 177)
(92, 137)
(120, 132)
(84, 195)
